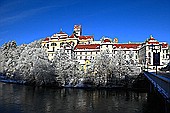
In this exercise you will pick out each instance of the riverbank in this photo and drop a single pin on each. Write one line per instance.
(138, 85)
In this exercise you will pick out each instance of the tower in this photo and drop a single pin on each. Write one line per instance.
(77, 30)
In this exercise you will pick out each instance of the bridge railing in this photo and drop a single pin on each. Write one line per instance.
(162, 84)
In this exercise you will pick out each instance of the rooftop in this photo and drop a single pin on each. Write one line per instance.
(87, 46)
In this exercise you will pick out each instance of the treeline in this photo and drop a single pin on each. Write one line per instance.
(29, 63)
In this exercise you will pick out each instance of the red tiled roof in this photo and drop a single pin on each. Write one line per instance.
(88, 46)
(164, 45)
(46, 39)
(85, 37)
(72, 36)
(106, 40)
(127, 45)
(153, 42)
(61, 32)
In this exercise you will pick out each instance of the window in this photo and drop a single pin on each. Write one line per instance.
(53, 49)
(96, 52)
(149, 54)
(149, 48)
(80, 53)
(167, 55)
(106, 45)
(53, 44)
(80, 57)
(149, 61)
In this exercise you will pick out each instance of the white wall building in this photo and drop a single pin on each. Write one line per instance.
(84, 48)
(148, 52)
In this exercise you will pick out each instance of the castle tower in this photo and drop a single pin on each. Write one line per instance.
(77, 30)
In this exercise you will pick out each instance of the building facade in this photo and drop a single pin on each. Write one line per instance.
(153, 54)
(84, 48)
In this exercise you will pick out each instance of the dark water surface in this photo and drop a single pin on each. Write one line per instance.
(27, 99)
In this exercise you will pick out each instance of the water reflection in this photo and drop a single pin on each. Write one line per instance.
(28, 99)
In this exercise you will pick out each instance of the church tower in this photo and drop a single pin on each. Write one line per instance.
(77, 30)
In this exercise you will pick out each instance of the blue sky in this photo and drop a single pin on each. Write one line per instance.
(128, 20)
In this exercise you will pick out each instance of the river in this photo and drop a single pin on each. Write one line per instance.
(28, 99)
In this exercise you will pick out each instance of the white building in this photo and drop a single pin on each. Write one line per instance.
(83, 48)
(148, 52)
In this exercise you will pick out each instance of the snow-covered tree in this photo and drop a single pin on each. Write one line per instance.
(102, 67)
(27, 63)
(112, 70)
(8, 57)
(125, 66)
(66, 69)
